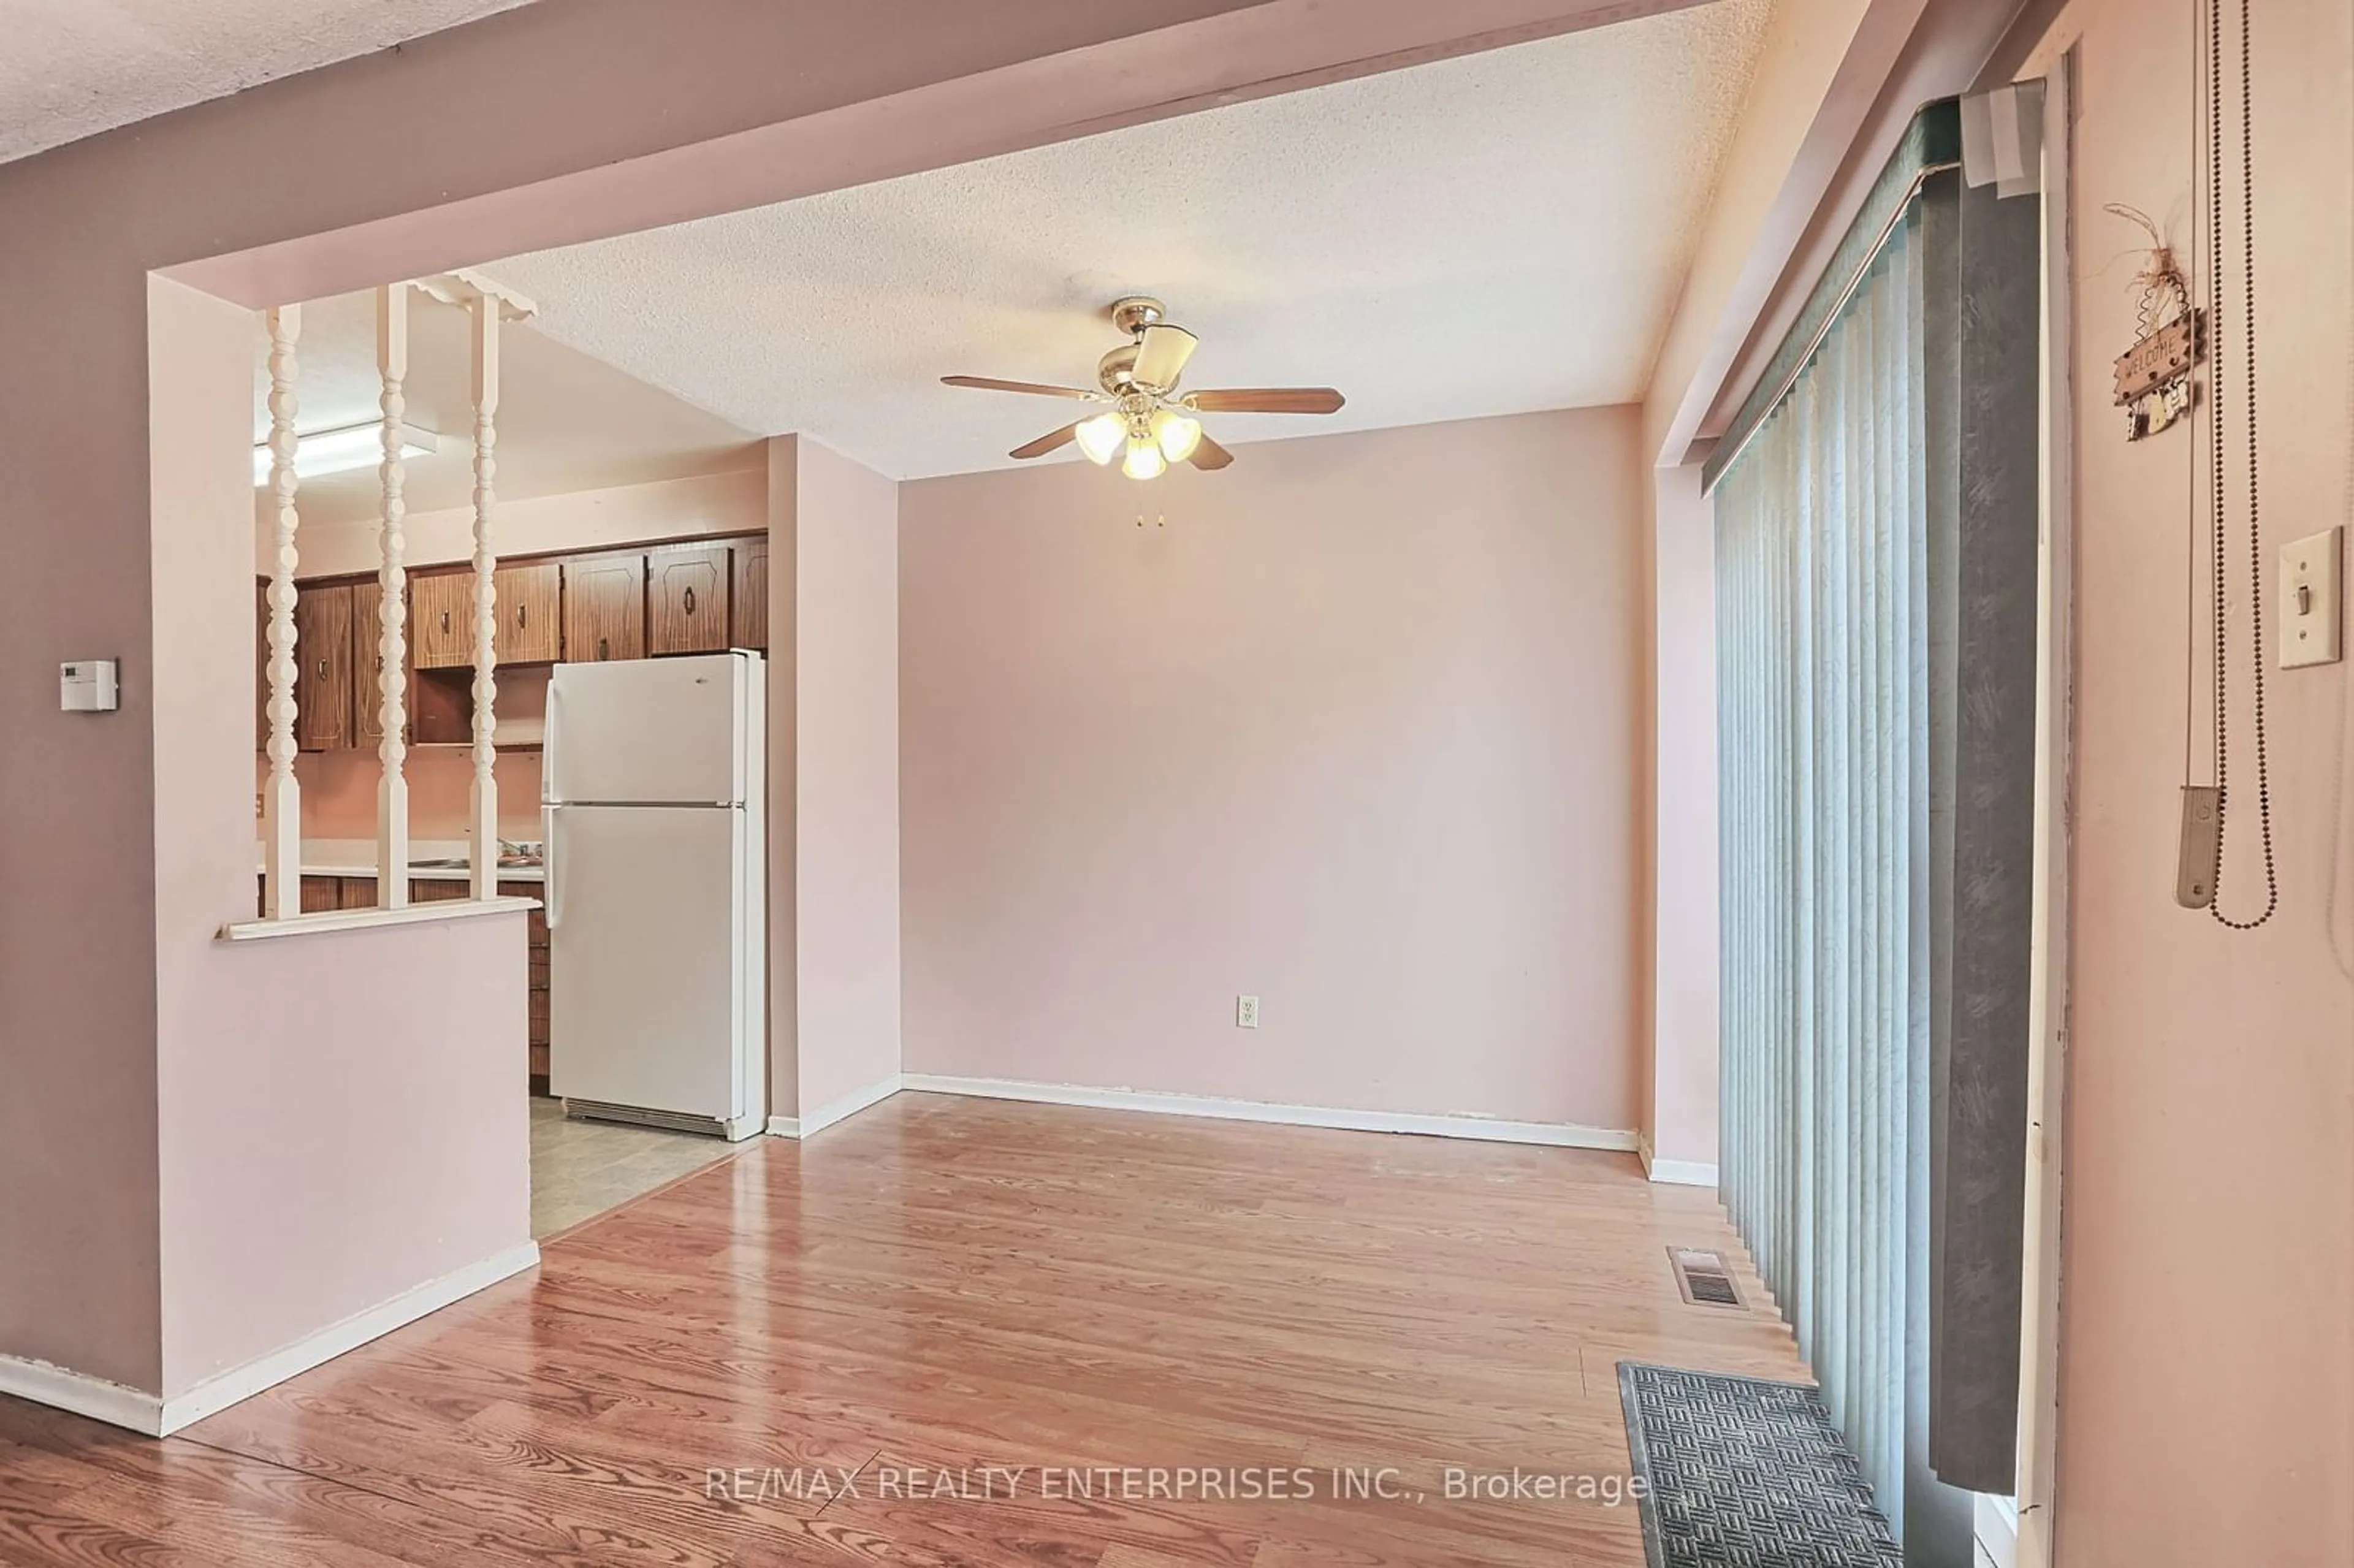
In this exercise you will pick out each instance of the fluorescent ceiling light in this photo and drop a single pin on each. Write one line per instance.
(346, 448)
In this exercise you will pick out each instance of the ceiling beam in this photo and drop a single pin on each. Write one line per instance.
(1904, 54)
(1239, 53)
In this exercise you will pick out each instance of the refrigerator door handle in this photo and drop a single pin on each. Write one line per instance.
(548, 752)
(550, 887)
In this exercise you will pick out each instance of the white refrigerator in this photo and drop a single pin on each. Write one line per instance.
(651, 785)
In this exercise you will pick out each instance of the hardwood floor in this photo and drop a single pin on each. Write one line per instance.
(955, 1331)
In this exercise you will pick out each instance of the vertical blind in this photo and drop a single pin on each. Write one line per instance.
(1822, 533)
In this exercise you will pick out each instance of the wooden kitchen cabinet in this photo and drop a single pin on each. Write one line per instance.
(536, 1068)
(322, 893)
(686, 601)
(367, 691)
(442, 620)
(530, 610)
(674, 597)
(358, 892)
(261, 665)
(438, 889)
(604, 608)
(323, 667)
(750, 597)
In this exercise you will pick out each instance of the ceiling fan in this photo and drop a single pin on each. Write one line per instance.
(1146, 418)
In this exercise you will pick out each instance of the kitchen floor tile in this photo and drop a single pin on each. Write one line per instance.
(580, 1169)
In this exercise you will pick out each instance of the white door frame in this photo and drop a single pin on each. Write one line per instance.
(2041, 1295)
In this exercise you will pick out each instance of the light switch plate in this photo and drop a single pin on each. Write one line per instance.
(2313, 576)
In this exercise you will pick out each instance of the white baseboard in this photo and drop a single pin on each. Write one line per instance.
(117, 1405)
(1560, 1134)
(848, 1106)
(225, 1389)
(1675, 1172)
(140, 1412)
(1684, 1173)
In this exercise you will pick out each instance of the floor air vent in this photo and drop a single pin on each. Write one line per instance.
(1703, 1278)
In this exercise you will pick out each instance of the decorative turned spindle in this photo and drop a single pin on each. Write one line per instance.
(282, 798)
(483, 814)
(392, 576)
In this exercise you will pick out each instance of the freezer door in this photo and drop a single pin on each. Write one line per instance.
(650, 731)
(647, 975)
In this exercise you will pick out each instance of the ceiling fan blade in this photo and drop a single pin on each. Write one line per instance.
(1267, 400)
(1209, 454)
(1162, 353)
(991, 384)
(1046, 443)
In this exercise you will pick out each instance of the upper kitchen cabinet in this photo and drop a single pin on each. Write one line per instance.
(530, 623)
(367, 690)
(530, 610)
(442, 619)
(695, 596)
(605, 608)
(261, 665)
(751, 596)
(323, 667)
(686, 600)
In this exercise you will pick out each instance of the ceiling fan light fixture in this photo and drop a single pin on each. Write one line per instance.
(1100, 436)
(1141, 414)
(1144, 459)
(1176, 434)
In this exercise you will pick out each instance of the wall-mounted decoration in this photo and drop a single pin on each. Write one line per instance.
(2155, 385)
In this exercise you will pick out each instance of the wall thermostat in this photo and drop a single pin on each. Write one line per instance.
(86, 686)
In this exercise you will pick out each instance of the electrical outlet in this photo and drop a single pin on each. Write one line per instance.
(1247, 1012)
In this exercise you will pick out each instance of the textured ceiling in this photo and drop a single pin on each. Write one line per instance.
(70, 69)
(566, 422)
(1492, 234)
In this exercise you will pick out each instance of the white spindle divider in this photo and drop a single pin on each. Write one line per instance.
(483, 814)
(392, 577)
(489, 304)
(282, 798)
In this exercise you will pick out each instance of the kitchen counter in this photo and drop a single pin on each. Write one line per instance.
(356, 858)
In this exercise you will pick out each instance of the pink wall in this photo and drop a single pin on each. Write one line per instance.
(1354, 732)
(2207, 1381)
(845, 664)
(833, 778)
(1682, 1117)
(338, 1116)
(339, 793)
(782, 503)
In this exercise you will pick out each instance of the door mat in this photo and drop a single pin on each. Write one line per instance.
(1738, 1472)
